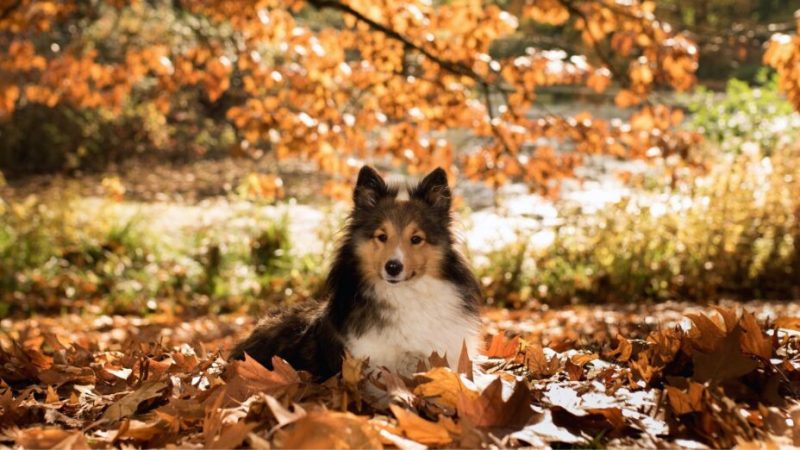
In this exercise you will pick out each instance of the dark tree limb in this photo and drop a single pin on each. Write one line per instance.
(453, 67)
(5, 12)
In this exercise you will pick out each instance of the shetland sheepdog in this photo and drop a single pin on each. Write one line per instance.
(397, 290)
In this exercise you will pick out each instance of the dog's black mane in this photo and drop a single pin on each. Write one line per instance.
(311, 336)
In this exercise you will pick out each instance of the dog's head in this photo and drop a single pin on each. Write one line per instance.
(401, 237)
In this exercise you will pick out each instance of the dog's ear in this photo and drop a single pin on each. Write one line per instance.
(370, 187)
(434, 191)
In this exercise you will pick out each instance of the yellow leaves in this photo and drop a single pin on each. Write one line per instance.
(623, 350)
(302, 91)
(626, 99)
(684, 402)
(128, 404)
(500, 347)
(263, 187)
(551, 12)
(217, 77)
(538, 364)
(443, 386)
(8, 99)
(753, 340)
(329, 429)
(54, 438)
(599, 80)
(420, 430)
(248, 377)
(113, 188)
(491, 410)
(783, 54)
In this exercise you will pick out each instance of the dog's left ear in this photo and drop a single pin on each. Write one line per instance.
(434, 191)
(370, 188)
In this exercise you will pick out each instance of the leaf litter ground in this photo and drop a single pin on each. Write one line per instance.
(670, 375)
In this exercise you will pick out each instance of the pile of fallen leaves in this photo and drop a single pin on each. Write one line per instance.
(661, 376)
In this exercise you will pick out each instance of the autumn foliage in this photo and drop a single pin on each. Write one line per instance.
(783, 54)
(575, 377)
(330, 81)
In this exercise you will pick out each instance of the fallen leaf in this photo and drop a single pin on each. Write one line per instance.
(443, 386)
(545, 432)
(418, 429)
(233, 435)
(489, 410)
(128, 404)
(622, 352)
(753, 340)
(788, 323)
(54, 438)
(249, 377)
(500, 347)
(283, 415)
(328, 429)
(724, 362)
(538, 364)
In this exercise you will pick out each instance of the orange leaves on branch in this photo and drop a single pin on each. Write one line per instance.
(551, 12)
(783, 55)
(380, 81)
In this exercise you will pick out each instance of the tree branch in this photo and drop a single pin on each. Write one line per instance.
(9, 9)
(453, 67)
(604, 57)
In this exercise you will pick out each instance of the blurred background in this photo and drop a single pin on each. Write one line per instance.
(189, 157)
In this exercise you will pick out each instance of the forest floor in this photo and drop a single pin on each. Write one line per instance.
(668, 375)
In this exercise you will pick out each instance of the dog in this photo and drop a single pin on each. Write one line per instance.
(397, 290)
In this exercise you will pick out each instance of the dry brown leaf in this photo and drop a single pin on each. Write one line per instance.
(127, 405)
(500, 347)
(685, 402)
(352, 371)
(328, 429)
(753, 340)
(789, 323)
(283, 415)
(232, 436)
(538, 364)
(464, 362)
(545, 431)
(723, 362)
(249, 377)
(420, 430)
(489, 410)
(55, 438)
(623, 350)
(443, 386)
(708, 332)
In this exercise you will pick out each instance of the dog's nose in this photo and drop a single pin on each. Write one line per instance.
(394, 267)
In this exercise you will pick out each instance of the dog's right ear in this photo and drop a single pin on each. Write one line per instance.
(370, 187)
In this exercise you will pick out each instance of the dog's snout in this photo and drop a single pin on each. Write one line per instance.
(394, 267)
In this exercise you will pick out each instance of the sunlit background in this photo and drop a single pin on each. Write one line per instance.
(627, 190)
(198, 156)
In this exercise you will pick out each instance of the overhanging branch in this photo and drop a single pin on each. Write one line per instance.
(453, 67)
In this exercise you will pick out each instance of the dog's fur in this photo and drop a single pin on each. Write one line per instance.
(373, 310)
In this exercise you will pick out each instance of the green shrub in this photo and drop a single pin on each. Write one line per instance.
(64, 255)
(745, 118)
(733, 232)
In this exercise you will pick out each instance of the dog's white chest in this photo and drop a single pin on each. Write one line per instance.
(421, 317)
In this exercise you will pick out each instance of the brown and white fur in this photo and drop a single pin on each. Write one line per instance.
(396, 292)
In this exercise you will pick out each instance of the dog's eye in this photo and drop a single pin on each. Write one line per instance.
(382, 237)
(416, 240)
